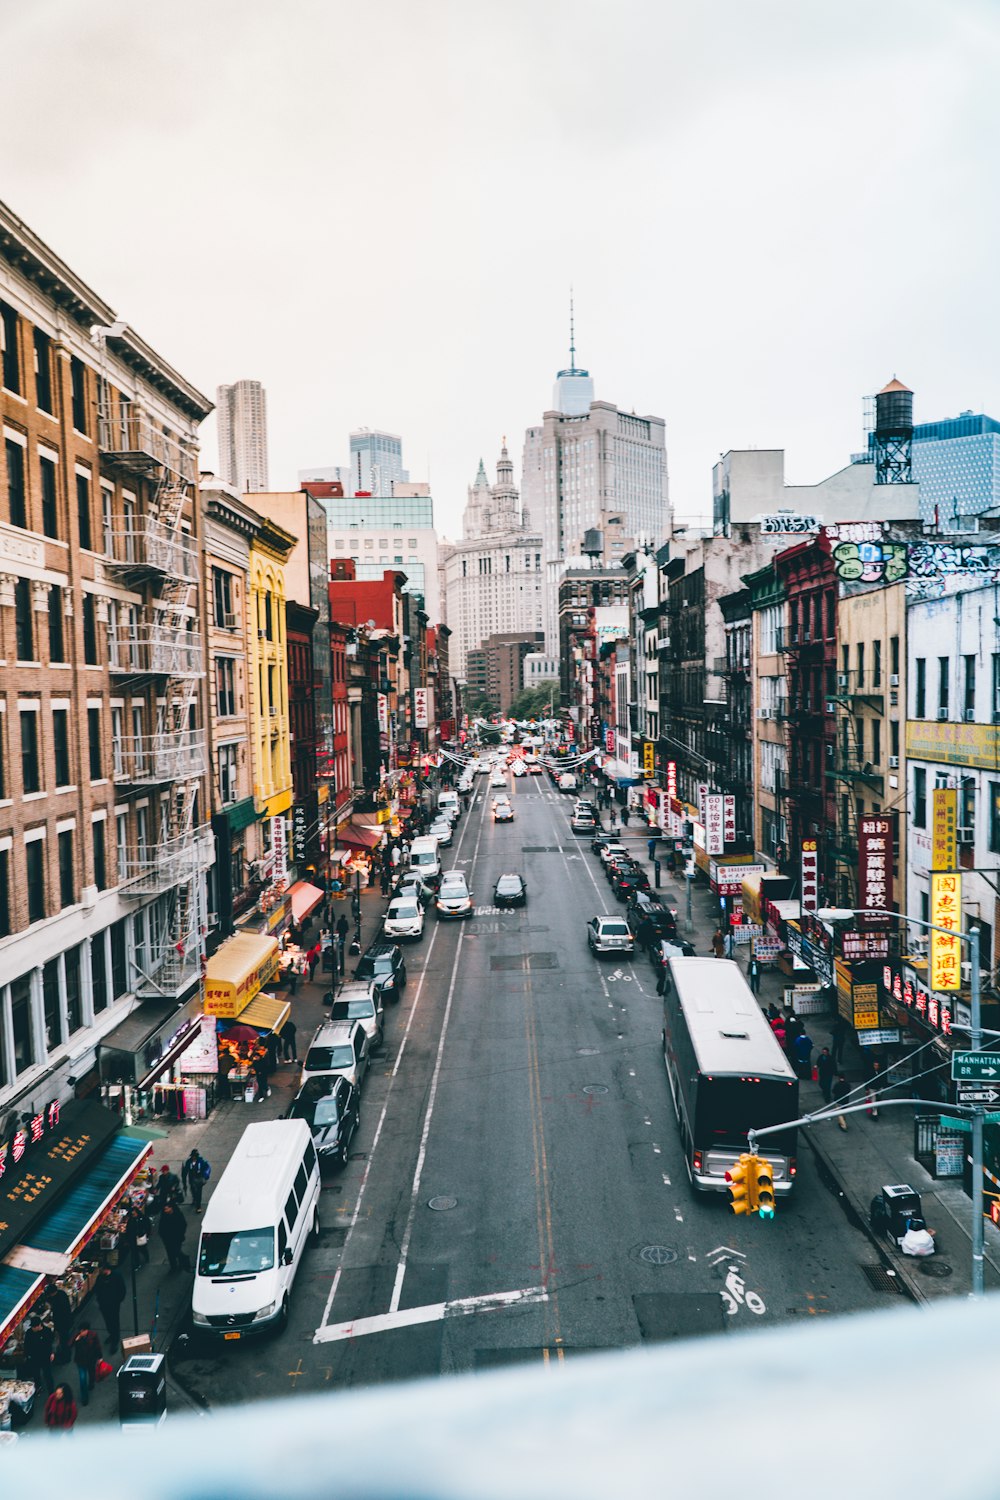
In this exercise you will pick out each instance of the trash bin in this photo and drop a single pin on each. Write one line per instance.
(142, 1390)
(901, 1202)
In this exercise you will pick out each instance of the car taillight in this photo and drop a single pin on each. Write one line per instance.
(791, 1166)
(696, 1161)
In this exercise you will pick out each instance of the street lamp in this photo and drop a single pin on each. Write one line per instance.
(844, 914)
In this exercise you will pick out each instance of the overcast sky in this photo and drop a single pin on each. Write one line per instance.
(767, 208)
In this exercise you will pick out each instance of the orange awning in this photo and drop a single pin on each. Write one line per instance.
(305, 899)
(359, 835)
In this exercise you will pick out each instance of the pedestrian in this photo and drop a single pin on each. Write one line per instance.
(62, 1319)
(196, 1172)
(38, 1353)
(871, 1095)
(137, 1235)
(824, 1073)
(273, 1044)
(343, 928)
(109, 1295)
(87, 1351)
(753, 975)
(645, 932)
(838, 1040)
(386, 876)
(262, 1073)
(651, 847)
(293, 979)
(614, 817)
(395, 857)
(778, 1027)
(773, 1012)
(793, 1026)
(718, 943)
(168, 1189)
(625, 816)
(802, 1047)
(173, 1228)
(671, 862)
(841, 1089)
(60, 1410)
(289, 1040)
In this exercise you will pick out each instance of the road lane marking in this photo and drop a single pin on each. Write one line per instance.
(431, 1312)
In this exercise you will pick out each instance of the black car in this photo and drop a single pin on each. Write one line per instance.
(510, 890)
(625, 883)
(331, 1107)
(661, 919)
(382, 962)
(601, 840)
(660, 952)
(618, 862)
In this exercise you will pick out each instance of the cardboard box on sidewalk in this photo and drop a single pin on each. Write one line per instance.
(140, 1343)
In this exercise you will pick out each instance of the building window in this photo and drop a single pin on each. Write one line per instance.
(51, 1005)
(121, 845)
(57, 649)
(995, 817)
(99, 972)
(94, 744)
(4, 892)
(225, 686)
(24, 633)
(67, 874)
(919, 797)
(97, 830)
(920, 694)
(35, 869)
(967, 803)
(943, 686)
(8, 348)
(861, 664)
(43, 371)
(876, 663)
(30, 768)
(90, 630)
(83, 510)
(16, 494)
(876, 741)
(970, 686)
(74, 991)
(222, 595)
(20, 1015)
(119, 960)
(78, 378)
(60, 745)
(47, 485)
(894, 738)
(227, 774)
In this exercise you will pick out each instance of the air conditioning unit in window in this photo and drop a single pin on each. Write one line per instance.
(966, 836)
(841, 679)
(274, 710)
(763, 713)
(229, 621)
(970, 716)
(894, 679)
(893, 762)
(942, 713)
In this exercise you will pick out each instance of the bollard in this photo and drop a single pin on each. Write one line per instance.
(656, 873)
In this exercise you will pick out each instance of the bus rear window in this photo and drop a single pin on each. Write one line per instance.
(729, 1107)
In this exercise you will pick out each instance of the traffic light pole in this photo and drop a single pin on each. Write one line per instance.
(976, 1041)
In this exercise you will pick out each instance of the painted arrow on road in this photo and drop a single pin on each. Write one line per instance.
(723, 1252)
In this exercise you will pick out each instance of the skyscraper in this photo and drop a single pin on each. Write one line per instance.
(376, 462)
(241, 414)
(588, 467)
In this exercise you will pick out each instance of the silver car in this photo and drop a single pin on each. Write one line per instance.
(454, 897)
(610, 935)
(339, 1047)
(360, 1001)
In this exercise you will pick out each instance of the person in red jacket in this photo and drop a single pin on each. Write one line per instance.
(60, 1410)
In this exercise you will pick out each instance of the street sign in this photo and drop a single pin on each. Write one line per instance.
(953, 1124)
(978, 1096)
(980, 1066)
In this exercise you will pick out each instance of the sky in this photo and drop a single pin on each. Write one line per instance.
(767, 208)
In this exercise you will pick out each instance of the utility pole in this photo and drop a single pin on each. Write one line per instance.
(978, 1281)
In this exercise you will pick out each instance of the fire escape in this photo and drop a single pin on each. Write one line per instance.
(157, 650)
(851, 772)
(803, 712)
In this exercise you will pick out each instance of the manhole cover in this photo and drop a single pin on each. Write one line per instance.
(882, 1280)
(938, 1268)
(440, 1204)
(595, 1088)
(658, 1255)
(586, 1051)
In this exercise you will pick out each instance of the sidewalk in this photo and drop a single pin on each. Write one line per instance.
(163, 1296)
(871, 1152)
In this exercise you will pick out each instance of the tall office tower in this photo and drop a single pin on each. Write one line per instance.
(376, 462)
(589, 467)
(241, 414)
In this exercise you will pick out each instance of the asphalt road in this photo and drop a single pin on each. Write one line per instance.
(516, 1190)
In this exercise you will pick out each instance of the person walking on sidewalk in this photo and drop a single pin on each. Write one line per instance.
(802, 1047)
(625, 815)
(838, 1040)
(137, 1228)
(61, 1310)
(38, 1354)
(168, 1189)
(293, 979)
(86, 1352)
(314, 954)
(173, 1228)
(109, 1295)
(753, 975)
(824, 1073)
(841, 1090)
(718, 943)
(262, 1073)
(651, 847)
(196, 1172)
(60, 1410)
(289, 1037)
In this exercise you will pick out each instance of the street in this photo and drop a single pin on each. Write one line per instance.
(516, 1191)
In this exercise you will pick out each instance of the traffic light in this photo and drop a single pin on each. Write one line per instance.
(739, 1181)
(995, 1210)
(762, 1193)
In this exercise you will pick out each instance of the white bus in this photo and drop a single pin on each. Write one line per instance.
(726, 1071)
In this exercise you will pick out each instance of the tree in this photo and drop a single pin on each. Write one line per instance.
(533, 702)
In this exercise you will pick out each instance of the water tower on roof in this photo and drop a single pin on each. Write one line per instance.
(893, 442)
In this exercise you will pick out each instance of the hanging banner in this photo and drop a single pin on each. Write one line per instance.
(944, 827)
(279, 850)
(648, 766)
(729, 819)
(875, 849)
(946, 911)
(383, 713)
(420, 708)
(671, 780)
(714, 828)
(810, 875)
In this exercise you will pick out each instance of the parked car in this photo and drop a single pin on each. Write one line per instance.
(338, 1048)
(616, 862)
(454, 898)
(383, 963)
(404, 917)
(583, 822)
(609, 935)
(642, 909)
(497, 778)
(510, 890)
(360, 1001)
(611, 850)
(442, 831)
(602, 841)
(503, 812)
(660, 952)
(331, 1107)
(568, 782)
(628, 879)
(412, 883)
(534, 768)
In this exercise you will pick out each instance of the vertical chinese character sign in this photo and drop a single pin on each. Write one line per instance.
(672, 780)
(714, 835)
(648, 766)
(944, 825)
(946, 911)
(420, 708)
(810, 875)
(729, 819)
(875, 851)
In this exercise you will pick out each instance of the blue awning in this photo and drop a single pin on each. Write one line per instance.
(61, 1230)
(17, 1289)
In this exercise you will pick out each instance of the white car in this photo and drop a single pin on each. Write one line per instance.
(610, 935)
(441, 831)
(454, 899)
(404, 918)
(611, 851)
(497, 778)
(503, 812)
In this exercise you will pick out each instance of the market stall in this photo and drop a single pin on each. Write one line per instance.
(237, 971)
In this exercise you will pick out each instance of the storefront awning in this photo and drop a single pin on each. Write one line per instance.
(237, 970)
(265, 1013)
(305, 899)
(180, 1043)
(18, 1290)
(360, 835)
(136, 1046)
(37, 1176)
(54, 1241)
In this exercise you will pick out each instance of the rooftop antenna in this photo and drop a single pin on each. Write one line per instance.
(572, 336)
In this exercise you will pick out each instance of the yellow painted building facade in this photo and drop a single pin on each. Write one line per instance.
(267, 652)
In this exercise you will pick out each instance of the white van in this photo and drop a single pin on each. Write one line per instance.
(425, 857)
(256, 1224)
(449, 804)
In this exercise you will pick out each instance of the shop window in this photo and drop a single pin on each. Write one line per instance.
(20, 1010)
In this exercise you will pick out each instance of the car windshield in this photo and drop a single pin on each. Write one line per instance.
(402, 910)
(382, 964)
(238, 1254)
(614, 929)
(314, 1108)
(325, 1112)
(425, 857)
(352, 1010)
(509, 885)
(325, 1059)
